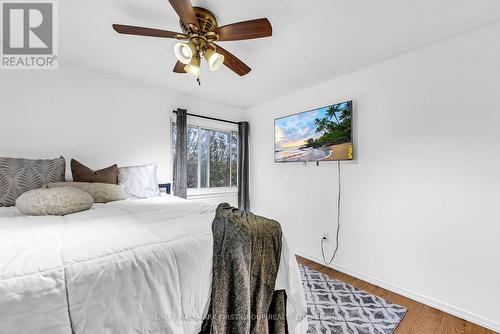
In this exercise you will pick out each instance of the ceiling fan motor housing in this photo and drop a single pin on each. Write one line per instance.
(206, 22)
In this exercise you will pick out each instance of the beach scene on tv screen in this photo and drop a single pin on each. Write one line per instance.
(322, 134)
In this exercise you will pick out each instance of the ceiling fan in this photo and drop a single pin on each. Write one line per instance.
(200, 32)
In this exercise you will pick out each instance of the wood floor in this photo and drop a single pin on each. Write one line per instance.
(420, 319)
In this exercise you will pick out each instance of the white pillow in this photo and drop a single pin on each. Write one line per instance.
(139, 181)
(55, 202)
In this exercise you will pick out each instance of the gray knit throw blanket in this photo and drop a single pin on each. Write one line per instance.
(246, 256)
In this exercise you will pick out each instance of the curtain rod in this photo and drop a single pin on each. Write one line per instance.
(210, 118)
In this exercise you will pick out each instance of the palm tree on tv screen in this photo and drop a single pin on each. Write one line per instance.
(335, 126)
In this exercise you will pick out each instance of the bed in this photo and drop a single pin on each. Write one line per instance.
(132, 266)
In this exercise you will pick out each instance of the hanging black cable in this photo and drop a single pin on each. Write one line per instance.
(338, 225)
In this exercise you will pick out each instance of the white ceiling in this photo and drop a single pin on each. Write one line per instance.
(313, 40)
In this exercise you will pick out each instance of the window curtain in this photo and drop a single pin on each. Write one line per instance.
(180, 159)
(243, 187)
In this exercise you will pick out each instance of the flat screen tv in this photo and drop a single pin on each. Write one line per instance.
(323, 134)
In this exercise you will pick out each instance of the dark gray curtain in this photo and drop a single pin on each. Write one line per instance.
(243, 191)
(180, 159)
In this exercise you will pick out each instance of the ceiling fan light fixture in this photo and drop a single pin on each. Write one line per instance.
(200, 31)
(184, 52)
(193, 67)
(214, 59)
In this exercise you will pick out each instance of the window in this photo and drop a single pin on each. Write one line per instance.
(212, 157)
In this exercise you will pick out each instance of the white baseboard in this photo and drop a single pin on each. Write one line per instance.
(458, 312)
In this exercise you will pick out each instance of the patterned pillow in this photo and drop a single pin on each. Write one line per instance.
(18, 176)
(139, 181)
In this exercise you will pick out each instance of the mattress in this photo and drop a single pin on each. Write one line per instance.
(133, 266)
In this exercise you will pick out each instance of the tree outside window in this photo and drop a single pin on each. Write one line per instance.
(212, 157)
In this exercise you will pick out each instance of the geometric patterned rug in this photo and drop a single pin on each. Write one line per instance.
(335, 307)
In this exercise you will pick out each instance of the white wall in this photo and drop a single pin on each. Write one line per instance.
(421, 203)
(95, 118)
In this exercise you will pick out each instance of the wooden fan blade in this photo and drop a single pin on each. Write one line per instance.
(185, 10)
(257, 28)
(142, 31)
(232, 62)
(179, 67)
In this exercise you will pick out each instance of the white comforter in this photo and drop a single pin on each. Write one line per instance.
(134, 266)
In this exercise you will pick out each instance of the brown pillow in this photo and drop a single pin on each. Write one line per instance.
(82, 173)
